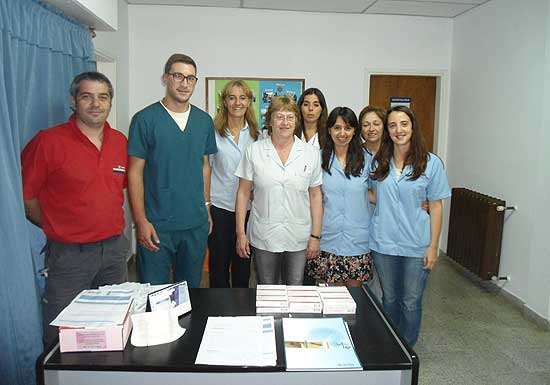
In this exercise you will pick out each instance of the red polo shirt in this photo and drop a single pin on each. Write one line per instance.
(80, 189)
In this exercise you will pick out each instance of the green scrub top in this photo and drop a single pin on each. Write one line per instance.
(172, 177)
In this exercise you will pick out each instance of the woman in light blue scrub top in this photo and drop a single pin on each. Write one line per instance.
(371, 121)
(404, 238)
(236, 127)
(345, 254)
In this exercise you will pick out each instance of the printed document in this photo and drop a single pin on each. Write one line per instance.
(238, 341)
(95, 309)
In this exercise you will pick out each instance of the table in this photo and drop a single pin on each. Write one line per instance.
(385, 357)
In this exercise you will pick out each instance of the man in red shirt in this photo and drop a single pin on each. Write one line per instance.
(74, 175)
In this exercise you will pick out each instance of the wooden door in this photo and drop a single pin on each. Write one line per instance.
(420, 89)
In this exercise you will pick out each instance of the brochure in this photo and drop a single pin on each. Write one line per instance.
(313, 344)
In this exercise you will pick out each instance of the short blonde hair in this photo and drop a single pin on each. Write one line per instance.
(282, 103)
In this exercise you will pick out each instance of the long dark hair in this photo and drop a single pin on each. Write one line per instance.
(321, 123)
(417, 157)
(355, 160)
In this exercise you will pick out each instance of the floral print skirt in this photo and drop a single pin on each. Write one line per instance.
(329, 267)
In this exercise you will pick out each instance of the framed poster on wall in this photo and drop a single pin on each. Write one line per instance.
(263, 90)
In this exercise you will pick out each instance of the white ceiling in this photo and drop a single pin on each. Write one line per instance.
(432, 8)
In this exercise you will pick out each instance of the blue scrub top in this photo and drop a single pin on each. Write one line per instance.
(224, 184)
(399, 225)
(172, 177)
(346, 215)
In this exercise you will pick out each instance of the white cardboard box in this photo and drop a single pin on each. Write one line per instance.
(272, 310)
(263, 297)
(338, 305)
(93, 340)
(303, 293)
(339, 308)
(271, 287)
(305, 307)
(337, 300)
(271, 303)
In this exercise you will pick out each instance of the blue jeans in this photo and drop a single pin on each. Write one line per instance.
(403, 280)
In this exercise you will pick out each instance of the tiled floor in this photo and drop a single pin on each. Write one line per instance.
(473, 336)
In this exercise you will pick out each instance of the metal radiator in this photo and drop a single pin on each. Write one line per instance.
(475, 231)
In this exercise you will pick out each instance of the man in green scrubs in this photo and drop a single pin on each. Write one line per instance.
(169, 179)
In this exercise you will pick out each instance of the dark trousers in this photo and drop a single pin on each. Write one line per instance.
(223, 253)
(73, 267)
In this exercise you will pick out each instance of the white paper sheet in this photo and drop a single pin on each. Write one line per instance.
(238, 341)
(94, 308)
(138, 291)
(155, 328)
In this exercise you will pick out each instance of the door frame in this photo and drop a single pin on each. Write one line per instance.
(108, 61)
(442, 100)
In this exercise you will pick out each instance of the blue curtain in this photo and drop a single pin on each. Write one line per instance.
(41, 52)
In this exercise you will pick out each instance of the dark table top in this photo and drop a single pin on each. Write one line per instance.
(377, 347)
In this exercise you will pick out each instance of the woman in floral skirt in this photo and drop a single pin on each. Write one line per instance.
(345, 254)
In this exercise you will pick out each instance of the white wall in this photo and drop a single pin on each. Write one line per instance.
(106, 10)
(539, 267)
(498, 131)
(115, 45)
(331, 51)
(102, 14)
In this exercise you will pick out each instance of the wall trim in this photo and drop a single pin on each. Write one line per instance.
(104, 56)
(528, 313)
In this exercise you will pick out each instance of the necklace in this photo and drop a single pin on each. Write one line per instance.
(342, 161)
